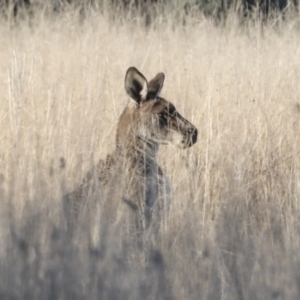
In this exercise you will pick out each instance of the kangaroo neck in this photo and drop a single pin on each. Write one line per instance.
(141, 151)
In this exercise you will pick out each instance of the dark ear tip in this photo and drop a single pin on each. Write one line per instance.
(131, 69)
(161, 76)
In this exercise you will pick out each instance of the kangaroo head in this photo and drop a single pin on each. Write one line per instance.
(150, 117)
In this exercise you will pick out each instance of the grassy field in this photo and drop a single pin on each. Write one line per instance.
(233, 228)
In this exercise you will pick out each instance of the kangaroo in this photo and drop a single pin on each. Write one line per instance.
(130, 176)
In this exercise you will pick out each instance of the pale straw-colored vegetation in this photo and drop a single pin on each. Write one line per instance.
(233, 228)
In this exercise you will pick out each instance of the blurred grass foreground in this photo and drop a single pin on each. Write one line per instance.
(232, 231)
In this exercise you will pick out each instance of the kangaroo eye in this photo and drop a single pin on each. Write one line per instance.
(172, 112)
(163, 119)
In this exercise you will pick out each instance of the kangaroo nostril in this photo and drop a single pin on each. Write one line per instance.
(194, 133)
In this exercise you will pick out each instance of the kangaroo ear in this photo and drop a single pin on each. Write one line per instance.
(136, 85)
(155, 86)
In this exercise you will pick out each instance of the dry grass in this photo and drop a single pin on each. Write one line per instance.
(232, 232)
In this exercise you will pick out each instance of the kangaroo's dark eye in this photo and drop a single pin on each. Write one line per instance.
(172, 112)
(163, 115)
(163, 119)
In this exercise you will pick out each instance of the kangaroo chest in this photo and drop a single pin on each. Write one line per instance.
(152, 180)
(138, 178)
